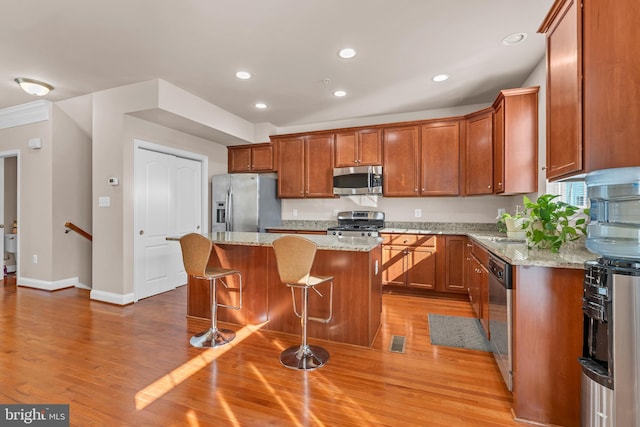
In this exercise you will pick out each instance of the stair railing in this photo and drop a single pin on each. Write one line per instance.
(72, 227)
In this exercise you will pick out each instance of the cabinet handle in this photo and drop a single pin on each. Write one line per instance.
(500, 184)
(489, 187)
(469, 245)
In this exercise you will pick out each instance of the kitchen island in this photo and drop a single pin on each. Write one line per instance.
(355, 263)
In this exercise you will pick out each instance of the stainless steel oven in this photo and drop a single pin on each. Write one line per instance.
(500, 316)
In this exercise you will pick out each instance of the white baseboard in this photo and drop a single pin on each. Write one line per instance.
(83, 286)
(112, 298)
(45, 284)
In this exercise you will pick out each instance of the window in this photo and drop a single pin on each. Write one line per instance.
(572, 192)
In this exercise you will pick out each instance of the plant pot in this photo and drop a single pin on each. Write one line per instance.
(516, 227)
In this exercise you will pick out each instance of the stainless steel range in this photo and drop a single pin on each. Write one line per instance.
(358, 224)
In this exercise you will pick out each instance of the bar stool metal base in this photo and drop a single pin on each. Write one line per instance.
(306, 357)
(211, 338)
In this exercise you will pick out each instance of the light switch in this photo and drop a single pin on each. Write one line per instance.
(104, 201)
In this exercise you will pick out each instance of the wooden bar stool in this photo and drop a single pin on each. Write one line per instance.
(196, 250)
(294, 257)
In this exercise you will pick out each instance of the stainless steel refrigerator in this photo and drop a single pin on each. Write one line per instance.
(244, 202)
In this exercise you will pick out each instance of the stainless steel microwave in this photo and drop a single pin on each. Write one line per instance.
(357, 180)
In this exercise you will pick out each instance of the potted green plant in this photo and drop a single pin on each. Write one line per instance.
(514, 225)
(553, 222)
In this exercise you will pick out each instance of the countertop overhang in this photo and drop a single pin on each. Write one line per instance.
(324, 242)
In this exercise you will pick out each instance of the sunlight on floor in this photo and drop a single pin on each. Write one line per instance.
(163, 385)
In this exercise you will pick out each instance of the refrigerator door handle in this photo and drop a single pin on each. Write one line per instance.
(229, 208)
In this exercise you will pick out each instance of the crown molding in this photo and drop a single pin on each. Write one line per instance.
(24, 114)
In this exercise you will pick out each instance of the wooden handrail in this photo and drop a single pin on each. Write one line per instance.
(71, 226)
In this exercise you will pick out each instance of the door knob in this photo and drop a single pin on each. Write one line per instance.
(141, 232)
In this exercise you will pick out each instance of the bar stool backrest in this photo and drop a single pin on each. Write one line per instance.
(294, 257)
(196, 250)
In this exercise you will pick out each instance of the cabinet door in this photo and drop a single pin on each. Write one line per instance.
(346, 149)
(262, 158)
(291, 167)
(479, 154)
(498, 148)
(318, 166)
(239, 159)
(455, 264)
(564, 93)
(515, 141)
(400, 160)
(484, 298)
(393, 265)
(421, 267)
(611, 98)
(440, 159)
(369, 147)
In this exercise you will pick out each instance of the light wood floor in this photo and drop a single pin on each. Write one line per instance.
(133, 366)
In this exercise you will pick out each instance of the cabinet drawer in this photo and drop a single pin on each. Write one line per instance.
(409, 239)
(480, 253)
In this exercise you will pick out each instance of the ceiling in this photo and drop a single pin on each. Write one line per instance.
(290, 47)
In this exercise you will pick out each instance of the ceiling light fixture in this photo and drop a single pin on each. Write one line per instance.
(260, 105)
(514, 38)
(339, 93)
(34, 87)
(243, 75)
(347, 53)
(440, 77)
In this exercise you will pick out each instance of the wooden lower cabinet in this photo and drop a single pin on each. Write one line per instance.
(454, 279)
(423, 261)
(547, 341)
(477, 281)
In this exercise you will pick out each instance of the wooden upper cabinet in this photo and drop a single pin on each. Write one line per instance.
(251, 158)
(318, 162)
(400, 159)
(479, 153)
(305, 166)
(291, 167)
(563, 27)
(358, 148)
(611, 70)
(515, 141)
(440, 159)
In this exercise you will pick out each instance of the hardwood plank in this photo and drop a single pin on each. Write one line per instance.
(133, 366)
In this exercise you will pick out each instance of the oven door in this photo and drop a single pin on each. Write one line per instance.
(500, 320)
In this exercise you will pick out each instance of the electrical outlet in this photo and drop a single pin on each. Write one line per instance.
(295, 212)
(335, 212)
(34, 258)
(418, 213)
(501, 211)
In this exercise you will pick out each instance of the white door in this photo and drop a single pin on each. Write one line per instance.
(188, 207)
(168, 203)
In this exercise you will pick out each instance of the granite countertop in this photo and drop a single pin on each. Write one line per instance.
(572, 254)
(335, 243)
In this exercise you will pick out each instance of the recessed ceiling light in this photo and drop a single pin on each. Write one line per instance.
(347, 53)
(440, 77)
(244, 75)
(261, 105)
(34, 87)
(514, 38)
(339, 93)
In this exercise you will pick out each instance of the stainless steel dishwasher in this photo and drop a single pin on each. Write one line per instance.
(500, 316)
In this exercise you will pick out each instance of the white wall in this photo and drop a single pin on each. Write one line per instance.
(114, 131)
(71, 187)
